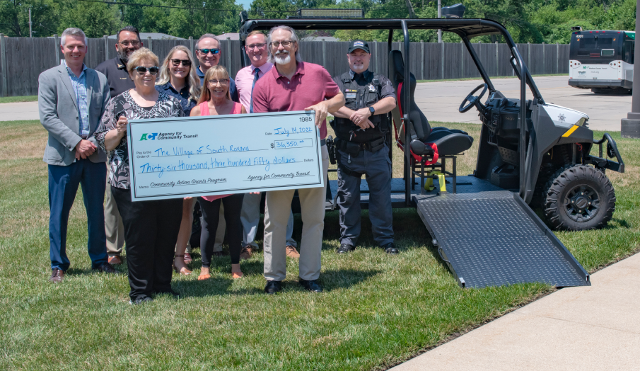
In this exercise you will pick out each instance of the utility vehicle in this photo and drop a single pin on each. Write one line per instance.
(531, 153)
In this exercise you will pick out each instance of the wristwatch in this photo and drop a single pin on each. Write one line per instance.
(372, 110)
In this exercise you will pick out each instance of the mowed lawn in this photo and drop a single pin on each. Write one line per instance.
(376, 311)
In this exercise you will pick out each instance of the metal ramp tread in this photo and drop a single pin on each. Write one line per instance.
(492, 238)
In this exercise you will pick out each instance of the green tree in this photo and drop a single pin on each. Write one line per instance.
(14, 17)
(94, 18)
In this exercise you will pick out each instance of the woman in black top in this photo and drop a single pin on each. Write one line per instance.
(151, 227)
(178, 78)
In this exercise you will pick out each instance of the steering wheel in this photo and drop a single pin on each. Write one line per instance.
(472, 99)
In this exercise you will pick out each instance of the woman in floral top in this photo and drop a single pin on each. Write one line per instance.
(151, 227)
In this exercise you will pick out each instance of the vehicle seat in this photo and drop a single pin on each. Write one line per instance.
(425, 141)
(429, 147)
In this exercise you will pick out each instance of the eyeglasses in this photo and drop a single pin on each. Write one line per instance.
(256, 46)
(284, 43)
(222, 82)
(132, 43)
(185, 62)
(206, 51)
(143, 70)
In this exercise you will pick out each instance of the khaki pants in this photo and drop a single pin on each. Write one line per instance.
(113, 227)
(277, 210)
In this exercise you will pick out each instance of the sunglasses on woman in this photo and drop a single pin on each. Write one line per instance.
(185, 62)
(142, 70)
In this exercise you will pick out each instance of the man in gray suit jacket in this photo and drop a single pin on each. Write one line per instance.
(71, 101)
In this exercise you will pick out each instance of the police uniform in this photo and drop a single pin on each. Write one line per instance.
(364, 152)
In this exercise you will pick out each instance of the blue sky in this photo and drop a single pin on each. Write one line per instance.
(244, 3)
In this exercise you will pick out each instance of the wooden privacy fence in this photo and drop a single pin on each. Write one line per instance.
(23, 59)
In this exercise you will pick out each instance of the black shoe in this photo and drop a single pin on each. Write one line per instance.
(140, 300)
(272, 287)
(390, 248)
(345, 248)
(312, 285)
(105, 267)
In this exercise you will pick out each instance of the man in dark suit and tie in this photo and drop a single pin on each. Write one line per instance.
(71, 101)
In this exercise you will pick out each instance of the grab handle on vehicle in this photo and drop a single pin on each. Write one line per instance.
(612, 151)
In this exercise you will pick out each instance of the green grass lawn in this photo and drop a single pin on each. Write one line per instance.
(26, 98)
(376, 311)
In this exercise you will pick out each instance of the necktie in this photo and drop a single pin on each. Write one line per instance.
(255, 78)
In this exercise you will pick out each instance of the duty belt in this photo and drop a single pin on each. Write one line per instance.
(354, 148)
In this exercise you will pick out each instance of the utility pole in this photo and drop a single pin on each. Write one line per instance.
(30, 32)
(631, 125)
(440, 16)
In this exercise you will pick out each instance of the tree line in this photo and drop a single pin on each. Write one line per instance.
(534, 21)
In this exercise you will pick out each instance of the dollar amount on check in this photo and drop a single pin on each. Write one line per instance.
(213, 155)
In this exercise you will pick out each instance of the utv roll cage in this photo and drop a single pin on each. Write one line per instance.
(465, 28)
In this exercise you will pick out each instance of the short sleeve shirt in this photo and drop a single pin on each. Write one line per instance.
(309, 85)
(166, 106)
(117, 76)
(182, 95)
(364, 78)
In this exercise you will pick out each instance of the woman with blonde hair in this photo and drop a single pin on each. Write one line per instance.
(216, 100)
(178, 78)
(150, 227)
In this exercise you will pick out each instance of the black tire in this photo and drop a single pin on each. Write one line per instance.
(577, 198)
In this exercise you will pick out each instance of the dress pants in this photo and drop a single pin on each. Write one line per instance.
(250, 218)
(377, 168)
(150, 232)
(63, 186)
(112, 224)
(277, 210)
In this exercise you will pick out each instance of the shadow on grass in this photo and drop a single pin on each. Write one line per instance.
(620, 223)
(217, 286)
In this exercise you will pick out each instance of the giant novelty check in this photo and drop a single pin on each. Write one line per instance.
(213, 155)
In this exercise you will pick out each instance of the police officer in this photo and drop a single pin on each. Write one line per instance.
(361, 127)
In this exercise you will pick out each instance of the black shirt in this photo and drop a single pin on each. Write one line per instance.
(183, 96)
(117, 75)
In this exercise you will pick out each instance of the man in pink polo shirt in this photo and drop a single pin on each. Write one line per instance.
(256, 49)
(294, 85)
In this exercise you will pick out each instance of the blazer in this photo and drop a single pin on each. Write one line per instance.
(58, 110)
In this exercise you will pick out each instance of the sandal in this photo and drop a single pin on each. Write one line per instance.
(203, 277)
(187, 258)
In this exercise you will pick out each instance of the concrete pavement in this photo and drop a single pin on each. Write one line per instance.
(19, 111)
(440, 101)
(579, 328)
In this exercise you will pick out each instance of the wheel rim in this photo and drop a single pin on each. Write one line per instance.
(581, 203)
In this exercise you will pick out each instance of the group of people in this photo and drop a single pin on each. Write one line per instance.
(86, 113)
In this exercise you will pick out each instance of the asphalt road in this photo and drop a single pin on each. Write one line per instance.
(440, 101)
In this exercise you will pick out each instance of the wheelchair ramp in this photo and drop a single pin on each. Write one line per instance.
(489, 237)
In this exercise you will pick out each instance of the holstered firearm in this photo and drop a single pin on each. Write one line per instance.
(331, 148)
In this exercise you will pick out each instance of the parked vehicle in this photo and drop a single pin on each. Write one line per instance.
(602, 60)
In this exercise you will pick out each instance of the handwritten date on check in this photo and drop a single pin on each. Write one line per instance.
(212, 155)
